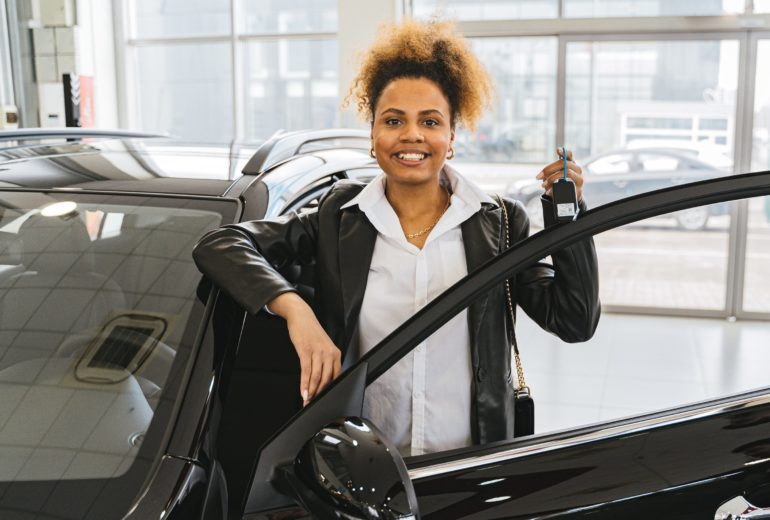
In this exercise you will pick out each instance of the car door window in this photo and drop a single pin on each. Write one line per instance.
(640, 360)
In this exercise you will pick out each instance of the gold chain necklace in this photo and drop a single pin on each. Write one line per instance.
(410, 236)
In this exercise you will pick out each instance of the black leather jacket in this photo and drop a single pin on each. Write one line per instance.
(244, 259)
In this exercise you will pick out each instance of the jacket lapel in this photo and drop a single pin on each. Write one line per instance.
(481, 239)
(356, 246)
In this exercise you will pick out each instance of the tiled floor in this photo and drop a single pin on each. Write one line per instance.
(637, 364)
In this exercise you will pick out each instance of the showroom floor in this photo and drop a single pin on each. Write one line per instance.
(637, 364)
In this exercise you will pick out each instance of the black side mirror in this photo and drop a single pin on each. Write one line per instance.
(350, 470)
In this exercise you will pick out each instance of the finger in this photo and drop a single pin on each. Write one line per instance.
(304, 378)
(326, 376)
(315, 375)
(573, 173)
(550, 168)
(558, 168)
(569, 154)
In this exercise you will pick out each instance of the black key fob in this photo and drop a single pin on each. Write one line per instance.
(565, 206)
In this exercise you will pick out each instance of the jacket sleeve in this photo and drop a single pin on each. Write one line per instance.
(244, 259)
(562, 298)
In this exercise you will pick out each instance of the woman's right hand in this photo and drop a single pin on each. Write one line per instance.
(320, 360)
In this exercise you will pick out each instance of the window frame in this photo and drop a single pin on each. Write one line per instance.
(126, 44)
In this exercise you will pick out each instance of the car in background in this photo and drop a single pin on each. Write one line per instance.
(703, 151)
(623, 173)
(131, 388)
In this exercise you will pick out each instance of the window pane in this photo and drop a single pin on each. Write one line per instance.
(678, 96)
(486, 9)
(760, 149)
(290, 85)
(758, 240)
(673, 261)
(153, 19)
(762, 6)
(186, 90)
(516, 136)
(687, 360)
(289, 16)
(601, 8)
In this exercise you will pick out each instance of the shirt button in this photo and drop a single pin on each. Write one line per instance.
(418, 395)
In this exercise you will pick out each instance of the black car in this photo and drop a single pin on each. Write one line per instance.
(623, 173)
(131, 388)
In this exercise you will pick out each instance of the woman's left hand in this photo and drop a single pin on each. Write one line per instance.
(555, 171)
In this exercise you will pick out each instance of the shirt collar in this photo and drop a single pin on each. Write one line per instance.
(466, 200)
(462, 189)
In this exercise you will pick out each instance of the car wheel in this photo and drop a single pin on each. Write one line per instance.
(535, 212)
(692, 219)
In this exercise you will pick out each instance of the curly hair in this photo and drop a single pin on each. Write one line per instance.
(431, 50)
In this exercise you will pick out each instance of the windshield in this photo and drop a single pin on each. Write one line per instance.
(96, 293)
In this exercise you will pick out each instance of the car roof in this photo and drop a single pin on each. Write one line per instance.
(678, 154)
(149, 163)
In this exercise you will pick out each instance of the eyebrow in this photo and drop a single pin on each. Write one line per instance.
(422, 112)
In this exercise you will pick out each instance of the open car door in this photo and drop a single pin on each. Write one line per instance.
(710, 459)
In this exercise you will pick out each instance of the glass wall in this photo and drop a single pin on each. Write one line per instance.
(677, 95)
(520, 127)
(487, 9)
(607, 8)
(639, 114)
(181, 54)
(758, 234)
(290, 84)
(6, 79)
(648, 115)
(288, 16)
(185, 89)
(187, 18)
(531, 9)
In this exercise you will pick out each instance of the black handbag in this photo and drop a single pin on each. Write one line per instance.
(523, 403)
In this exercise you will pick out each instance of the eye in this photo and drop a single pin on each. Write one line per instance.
(430, 122)
(392, 121)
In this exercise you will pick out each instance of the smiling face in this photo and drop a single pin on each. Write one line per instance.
(412, 130)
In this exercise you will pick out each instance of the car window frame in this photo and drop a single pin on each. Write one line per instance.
(286, 442)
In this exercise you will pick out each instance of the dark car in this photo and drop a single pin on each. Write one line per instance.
(131, 388)
(623, 173)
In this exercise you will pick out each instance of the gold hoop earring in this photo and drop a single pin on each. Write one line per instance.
(371, 152)
(451, 154)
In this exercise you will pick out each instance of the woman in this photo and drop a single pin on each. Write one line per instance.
(383, 251)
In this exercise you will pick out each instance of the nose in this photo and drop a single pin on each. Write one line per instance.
(412, 133)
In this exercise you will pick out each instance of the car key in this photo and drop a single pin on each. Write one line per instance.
(564, 195)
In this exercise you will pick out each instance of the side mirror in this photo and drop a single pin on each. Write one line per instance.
(350, 470)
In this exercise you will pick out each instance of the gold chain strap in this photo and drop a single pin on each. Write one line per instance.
(522, 385)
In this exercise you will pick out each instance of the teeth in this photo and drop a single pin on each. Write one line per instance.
(411, 156)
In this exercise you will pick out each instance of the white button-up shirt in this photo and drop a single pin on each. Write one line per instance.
(423, 402)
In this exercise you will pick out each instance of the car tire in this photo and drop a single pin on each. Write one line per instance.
(535, 212)
(693, 219)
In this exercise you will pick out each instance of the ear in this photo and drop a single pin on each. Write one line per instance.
(452, 136)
